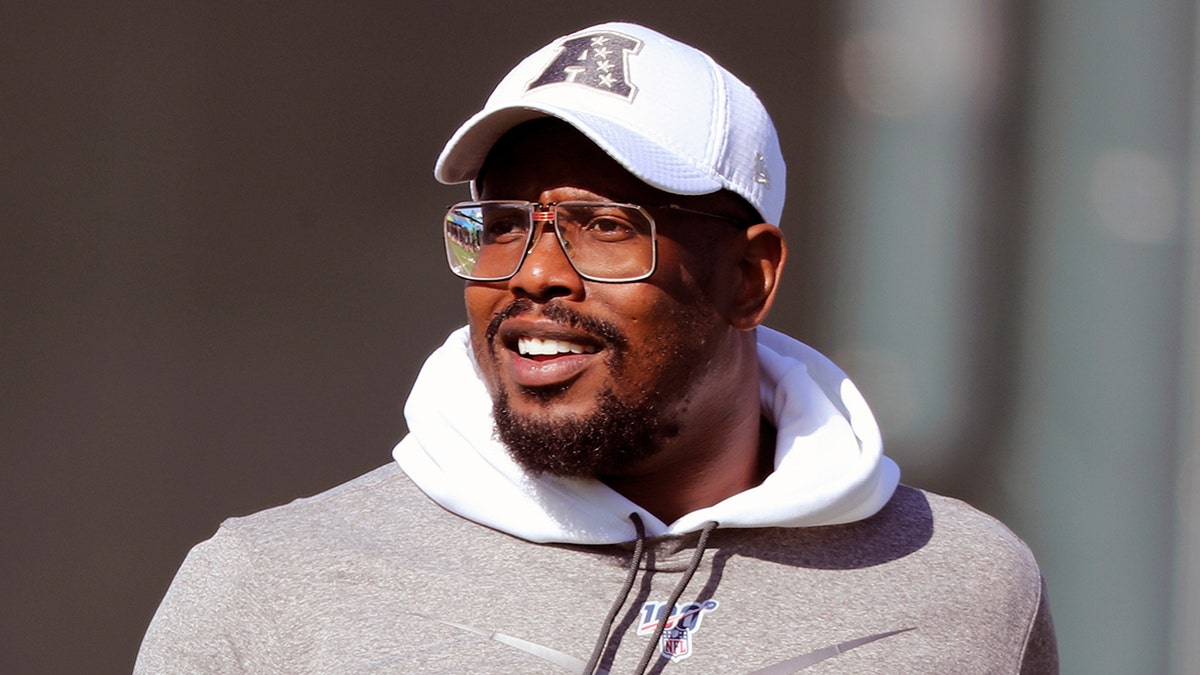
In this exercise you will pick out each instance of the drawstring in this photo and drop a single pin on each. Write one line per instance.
(602, 640)
(701, 544)
(638, 549)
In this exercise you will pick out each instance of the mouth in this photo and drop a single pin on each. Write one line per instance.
(540, 348)
(540, 355)
(547, 349)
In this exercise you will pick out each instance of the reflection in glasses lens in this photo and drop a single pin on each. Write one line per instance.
(488, 241)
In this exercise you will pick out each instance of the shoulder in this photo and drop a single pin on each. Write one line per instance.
(958, 516)
(983, 545)
(934, 550)
(381, 489)
(968, 585)
(371, 516)
(963, 563)
(304, 524)
(945, 536)
(241, 600)
(381, 514)
(960, 532)
(914, 528)
(989, 568)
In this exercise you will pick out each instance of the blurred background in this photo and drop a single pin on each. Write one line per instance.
(222, 269)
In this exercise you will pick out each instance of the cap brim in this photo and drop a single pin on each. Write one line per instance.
(643, 157)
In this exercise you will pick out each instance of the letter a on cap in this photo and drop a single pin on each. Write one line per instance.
(596, 60)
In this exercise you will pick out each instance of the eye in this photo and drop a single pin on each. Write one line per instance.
(610, 228)
(505, 229)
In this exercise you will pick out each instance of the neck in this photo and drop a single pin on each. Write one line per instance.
(672, 493)
(725, 448)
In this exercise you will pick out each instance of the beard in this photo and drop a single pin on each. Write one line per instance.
(623, 429)
(616, 435)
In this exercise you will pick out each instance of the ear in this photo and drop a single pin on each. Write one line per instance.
(762, 253)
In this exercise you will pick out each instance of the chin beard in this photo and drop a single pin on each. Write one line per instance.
(616, 436)
(620, 433)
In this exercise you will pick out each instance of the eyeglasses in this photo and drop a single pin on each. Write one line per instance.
(603, 241)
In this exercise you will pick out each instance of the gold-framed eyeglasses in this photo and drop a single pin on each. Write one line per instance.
(603, 241)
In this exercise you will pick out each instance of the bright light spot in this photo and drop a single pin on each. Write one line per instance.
(875, 67)
(944, 56)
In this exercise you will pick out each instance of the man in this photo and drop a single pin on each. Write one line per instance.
(613, 467)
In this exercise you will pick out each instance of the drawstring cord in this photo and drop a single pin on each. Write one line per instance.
(701, 544)
(602, 640)
(638, 551)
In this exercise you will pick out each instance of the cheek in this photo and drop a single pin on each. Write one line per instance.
(664, 324)
(476, 301)
(704, 261)
(481, 305)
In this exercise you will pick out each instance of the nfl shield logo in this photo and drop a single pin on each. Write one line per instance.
(676, 643)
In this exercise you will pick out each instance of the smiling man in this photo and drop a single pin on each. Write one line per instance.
(614, 467)
(644, 378)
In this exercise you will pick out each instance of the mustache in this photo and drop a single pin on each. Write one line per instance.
(606, 331)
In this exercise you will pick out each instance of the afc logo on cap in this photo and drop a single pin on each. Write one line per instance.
(596, 60)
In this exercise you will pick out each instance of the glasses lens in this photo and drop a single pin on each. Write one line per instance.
(607, 242)
(486, 240)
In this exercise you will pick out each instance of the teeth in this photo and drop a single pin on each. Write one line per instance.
(531, 346)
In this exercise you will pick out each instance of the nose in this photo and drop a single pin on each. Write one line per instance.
(546, 272)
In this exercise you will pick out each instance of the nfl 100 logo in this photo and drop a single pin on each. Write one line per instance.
(684, 620)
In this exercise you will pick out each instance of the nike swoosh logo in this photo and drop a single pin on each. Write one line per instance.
(812, 658)
(573, 665)
(565, 661)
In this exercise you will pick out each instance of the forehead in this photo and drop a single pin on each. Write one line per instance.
(547, 154)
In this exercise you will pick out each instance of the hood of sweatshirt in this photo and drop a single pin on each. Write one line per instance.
(829, 461)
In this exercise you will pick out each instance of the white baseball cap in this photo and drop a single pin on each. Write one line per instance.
(667, 112)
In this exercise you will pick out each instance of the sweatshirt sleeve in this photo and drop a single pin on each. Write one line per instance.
(1041, 645)
(212, 618)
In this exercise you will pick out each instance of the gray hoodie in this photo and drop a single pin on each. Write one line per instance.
(454, 560)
